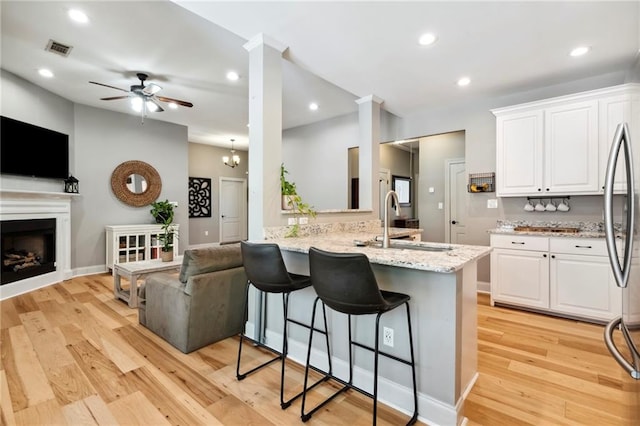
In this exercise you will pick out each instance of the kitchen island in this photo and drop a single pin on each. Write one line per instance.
(441, 280)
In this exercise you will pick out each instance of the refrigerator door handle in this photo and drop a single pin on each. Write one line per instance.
(608, 340)
(620, 141)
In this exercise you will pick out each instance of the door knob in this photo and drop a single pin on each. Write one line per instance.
(453, 222)
(222, 215)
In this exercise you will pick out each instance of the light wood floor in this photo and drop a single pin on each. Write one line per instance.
(71, 354)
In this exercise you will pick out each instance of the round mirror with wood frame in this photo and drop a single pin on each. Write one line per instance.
(121, 176)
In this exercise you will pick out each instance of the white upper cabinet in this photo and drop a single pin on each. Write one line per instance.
(560, 146)
(519, 148)
(612, 111)
(571, 148)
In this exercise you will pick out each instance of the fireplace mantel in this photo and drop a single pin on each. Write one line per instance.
(24, 204)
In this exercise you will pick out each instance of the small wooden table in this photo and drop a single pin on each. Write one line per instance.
(135, 270)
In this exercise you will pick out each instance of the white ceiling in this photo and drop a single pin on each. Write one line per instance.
(362, 48)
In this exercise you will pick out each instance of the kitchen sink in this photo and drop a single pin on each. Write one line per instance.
(406, 246)
(546, 229)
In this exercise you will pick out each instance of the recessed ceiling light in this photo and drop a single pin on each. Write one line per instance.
(45, 72)
(579, 51)
(427, 39)
(78, 16)
(173, 105)
(464, 81)
(313, 106)
(232, 75)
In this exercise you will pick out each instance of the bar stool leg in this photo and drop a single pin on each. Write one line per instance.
(242, 376)
(414, 418)
(375, 370)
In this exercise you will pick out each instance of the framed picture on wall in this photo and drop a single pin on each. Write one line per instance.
(402, 186)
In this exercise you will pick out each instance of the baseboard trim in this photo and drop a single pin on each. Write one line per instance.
(430, 411)
(89, 270)
(484, 287)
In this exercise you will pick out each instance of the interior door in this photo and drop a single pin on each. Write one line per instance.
(456, 202)
(233, 210)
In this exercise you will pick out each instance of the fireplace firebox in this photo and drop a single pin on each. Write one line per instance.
(28, 248)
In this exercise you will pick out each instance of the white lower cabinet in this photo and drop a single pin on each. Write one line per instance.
(564, 276)
(520, 270)
(133, 243)
(581, 282)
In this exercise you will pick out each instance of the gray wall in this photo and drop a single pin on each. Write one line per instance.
(206, 161)
(23, 101)
(317, 160)
(99, 141)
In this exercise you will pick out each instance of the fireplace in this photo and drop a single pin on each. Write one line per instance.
(28, 248)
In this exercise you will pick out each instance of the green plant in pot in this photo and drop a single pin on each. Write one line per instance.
(287, 189)
(163, 213)
(291, 200)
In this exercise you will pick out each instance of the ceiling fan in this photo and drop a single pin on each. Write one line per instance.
(144, 98)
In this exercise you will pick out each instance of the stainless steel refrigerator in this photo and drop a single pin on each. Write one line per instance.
(623, 246)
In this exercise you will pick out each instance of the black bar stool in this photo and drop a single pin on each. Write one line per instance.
(267, 272)
(345, 282)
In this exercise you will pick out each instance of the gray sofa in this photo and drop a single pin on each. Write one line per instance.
(201, 306)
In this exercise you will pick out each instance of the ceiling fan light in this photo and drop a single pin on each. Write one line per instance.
(136, 103)
(232, 76)
(151, 106)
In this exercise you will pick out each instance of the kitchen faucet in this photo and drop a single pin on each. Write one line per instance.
(386, 241)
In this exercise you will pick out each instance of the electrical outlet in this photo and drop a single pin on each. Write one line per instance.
(492, 203)
(387, 336)
(292, 221)
(303, 220)
(206, 233)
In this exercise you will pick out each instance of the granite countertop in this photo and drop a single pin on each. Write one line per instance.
(585, 229)
(443, 261)
(581, 234)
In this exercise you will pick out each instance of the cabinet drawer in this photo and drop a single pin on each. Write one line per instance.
(586, 246)
(516, 242)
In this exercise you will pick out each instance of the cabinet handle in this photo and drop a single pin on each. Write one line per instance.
(553, 256)
(587, 247)
(547, 189)
(539, 189)
(517, 242)
(544, 255)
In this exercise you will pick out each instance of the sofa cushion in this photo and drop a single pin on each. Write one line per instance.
(210, 259)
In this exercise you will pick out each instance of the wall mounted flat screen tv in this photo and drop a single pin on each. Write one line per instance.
(29, 150)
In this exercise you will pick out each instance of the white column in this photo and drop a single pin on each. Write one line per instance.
(369, 153)
(265, 133)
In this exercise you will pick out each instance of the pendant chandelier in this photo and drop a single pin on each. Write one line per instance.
(235, 158)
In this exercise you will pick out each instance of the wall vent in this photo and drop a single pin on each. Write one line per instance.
(59, 48)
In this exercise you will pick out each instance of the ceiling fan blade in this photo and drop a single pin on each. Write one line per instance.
(106, 85)
(160, 109)
(175, 101)
(113, 98)
(151, 89)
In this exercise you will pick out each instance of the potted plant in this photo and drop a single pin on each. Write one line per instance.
(169, 232)
(287, 189)
(291, 200)
(163, 213)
